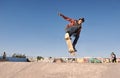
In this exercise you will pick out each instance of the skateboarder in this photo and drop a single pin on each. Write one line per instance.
(73, 28)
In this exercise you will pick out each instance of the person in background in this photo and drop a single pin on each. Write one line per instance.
(113, 57)
(4, 55)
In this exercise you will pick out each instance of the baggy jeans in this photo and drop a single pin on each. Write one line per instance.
(72, 31)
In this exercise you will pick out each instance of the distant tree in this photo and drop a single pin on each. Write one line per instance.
(19, 55)
(39, 58)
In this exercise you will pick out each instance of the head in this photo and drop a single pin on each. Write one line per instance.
(80, 20)
(112, 52)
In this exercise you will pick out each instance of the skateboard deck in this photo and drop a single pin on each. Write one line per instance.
(69, 44)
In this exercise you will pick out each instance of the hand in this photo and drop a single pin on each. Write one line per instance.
(60, 14)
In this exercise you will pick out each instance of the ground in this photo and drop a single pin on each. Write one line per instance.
(58, 70)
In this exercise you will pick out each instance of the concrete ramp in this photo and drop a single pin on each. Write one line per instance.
(58, 70)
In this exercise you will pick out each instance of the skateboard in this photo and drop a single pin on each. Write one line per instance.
(69, 44)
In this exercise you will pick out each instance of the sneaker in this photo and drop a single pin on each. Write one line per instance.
(72, 54)
(75, 50)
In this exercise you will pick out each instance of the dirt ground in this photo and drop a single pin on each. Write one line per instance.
(58, 70)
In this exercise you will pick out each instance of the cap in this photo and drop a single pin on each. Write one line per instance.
(82, 19)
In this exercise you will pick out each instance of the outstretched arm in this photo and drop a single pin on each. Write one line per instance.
(66, 18)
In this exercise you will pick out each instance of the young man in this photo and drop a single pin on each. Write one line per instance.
(73, 28)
